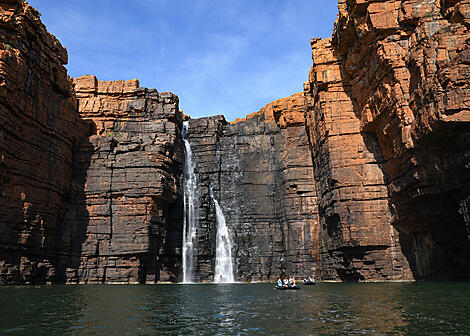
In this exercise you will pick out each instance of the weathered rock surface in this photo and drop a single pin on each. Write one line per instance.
(357, 240)
(123, 219)
(366, 176)
(92, 196)
(38, 120)
(260, 170)
(399, 71)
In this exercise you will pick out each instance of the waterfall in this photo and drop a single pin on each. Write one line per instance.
(189, 221)
(223, 251)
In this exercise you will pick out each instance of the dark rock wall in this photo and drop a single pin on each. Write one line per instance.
(404, 70)
(366, 176)
(124, 214)
(38, 120)
(93, 196)
(261, 173)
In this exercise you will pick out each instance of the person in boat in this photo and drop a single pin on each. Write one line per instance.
(292, 282)
(286, 282)
(279, 282)
(309, 280)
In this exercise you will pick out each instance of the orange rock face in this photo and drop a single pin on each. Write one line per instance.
(37, 129)
(399, 72)
(357, 240)
(92, 196)
(365, 176)
(284, 112)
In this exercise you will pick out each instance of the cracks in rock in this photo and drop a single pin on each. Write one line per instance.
(114, 144)
(111, 205)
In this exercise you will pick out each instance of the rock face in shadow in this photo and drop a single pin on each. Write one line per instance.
(365, 176)
(124, 214)
(90, 192)
(38, 120)
(87, 196)
(399, 71)
(260, 170)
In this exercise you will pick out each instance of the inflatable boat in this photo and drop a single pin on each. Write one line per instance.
(287, 288)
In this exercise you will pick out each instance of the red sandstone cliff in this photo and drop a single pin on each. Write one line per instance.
(85, 196)
(366, 176)
(395, 77)
(357, 240)
(37, 130)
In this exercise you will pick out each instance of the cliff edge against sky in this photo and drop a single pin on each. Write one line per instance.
(365, 176)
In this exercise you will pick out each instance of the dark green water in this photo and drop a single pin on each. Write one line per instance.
(239, 309)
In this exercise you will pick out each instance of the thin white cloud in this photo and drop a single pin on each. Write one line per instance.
(230, 57)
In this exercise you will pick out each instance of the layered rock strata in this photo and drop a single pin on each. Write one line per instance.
(357, 240)
(86, 197)
(400, 70)
(261, 173)
(38, 120)
(366, 176)
(124, 213)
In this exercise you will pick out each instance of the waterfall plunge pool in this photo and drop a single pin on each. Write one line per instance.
(237, 309)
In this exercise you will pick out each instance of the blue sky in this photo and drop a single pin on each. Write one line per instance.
(228, 57)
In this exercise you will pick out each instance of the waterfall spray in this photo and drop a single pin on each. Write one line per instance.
(223, 253)
(189, 222)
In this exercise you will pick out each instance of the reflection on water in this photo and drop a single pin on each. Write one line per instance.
(237, 309)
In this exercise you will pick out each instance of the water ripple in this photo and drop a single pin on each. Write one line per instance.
(237, 309)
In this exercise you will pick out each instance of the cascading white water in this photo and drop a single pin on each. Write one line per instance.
(223, 251)
(189, 222)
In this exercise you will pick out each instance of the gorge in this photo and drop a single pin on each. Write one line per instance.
(363, 176)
